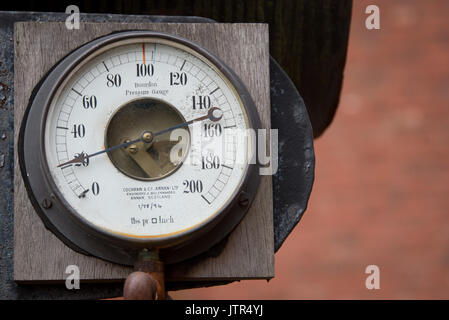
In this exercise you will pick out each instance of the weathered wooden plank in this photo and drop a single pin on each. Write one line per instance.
(40, 256)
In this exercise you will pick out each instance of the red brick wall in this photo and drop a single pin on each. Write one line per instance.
(381, 194)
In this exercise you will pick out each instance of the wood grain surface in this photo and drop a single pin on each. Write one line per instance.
(40, 256)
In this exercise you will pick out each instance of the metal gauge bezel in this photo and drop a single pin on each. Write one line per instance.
(70, 226)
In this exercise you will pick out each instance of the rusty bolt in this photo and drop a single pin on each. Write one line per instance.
(46, 203)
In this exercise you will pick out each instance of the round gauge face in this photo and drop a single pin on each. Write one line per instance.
(121, 147)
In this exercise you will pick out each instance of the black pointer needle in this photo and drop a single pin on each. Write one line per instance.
(83, 157)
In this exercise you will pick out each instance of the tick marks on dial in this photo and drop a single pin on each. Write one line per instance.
(205, 199)
(62, 128)
(77, 92)
(213, 91)
(182, 65)
(107, 69)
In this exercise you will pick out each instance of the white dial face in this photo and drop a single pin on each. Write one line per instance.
(184, 85)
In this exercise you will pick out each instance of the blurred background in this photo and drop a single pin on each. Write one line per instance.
(381, 193)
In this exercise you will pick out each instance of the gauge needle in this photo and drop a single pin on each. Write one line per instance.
(147, 136)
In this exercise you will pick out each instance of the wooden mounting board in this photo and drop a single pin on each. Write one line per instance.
(39, 256)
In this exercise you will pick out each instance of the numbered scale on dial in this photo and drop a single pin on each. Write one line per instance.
(140, 140)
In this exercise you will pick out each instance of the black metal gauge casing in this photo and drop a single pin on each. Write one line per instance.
(80, 234)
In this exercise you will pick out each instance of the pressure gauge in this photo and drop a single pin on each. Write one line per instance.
(140, 140)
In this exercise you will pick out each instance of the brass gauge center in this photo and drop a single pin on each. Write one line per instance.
(150, 158)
